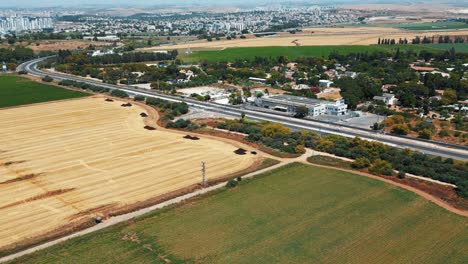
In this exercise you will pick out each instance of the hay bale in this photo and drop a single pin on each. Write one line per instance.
(191, 137)
(240, 151)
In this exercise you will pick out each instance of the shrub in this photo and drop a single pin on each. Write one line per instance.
(444, 133)
(119, 93)
(381, 167)
(47, 78)
(231, 184)
(139, 98)
(361, 163)
(425, 134)
(400, 129)
(401, 174)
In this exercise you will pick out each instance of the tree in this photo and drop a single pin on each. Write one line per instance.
(301, 111)
(235, 98)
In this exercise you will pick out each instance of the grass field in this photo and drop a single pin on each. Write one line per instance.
(16, 90)
(432, 26)
(230, 54)
(459, 47)
(65, 162)
(296, 214)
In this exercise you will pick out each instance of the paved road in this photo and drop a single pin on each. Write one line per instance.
(428, 147)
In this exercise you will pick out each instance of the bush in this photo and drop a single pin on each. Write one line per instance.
(400, 129)
(232, 184)
(139, 98)
(381, 167)
(401, 174)
(47, 78)
(119, 93)
(444, 133)
(425, 134)
(361, 163)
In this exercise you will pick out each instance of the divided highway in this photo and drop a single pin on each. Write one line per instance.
(428, 147)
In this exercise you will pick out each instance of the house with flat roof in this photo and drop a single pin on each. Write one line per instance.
(289, 103)
(387, 99)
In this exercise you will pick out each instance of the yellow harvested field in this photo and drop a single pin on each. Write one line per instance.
(61, 160)
(314, 37)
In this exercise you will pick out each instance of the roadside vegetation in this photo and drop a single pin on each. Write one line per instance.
(378, 158)
(15, 90)
(262, 221)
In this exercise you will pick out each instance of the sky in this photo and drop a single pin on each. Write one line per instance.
(135, 3)
(64, 3)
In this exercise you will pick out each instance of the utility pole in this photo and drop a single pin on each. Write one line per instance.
(203, 170)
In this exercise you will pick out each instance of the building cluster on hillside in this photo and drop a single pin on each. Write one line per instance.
(196, 23)
(25, 23)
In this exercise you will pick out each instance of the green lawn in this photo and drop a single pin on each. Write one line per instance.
(230, 54)
(295, 214)
(15, 90)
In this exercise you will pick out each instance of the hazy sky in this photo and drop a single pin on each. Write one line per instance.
(42, 3)
(66, 3)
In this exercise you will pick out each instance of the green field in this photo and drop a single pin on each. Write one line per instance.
(15, 90)
(459, 47)
(295, 214)
(432, 26)
(230, 54)
(424, 26)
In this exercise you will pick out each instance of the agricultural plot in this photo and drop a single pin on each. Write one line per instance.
(16, 90)
(347, 36)
(459, 47)
(231, 54)
(433, 26)
(63, 162)
(295, 214)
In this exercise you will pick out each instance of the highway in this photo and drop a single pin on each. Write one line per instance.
(428, 147)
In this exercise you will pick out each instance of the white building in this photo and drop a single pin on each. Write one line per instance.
(289, 103)
(387, 99)
(325, 83)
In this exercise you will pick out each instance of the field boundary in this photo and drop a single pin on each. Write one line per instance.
(421, 193)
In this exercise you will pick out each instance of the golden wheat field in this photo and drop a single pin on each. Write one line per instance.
(61, 162)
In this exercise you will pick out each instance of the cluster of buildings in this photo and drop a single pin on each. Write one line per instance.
(289, 103)
(198, 23)
(25, 23)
